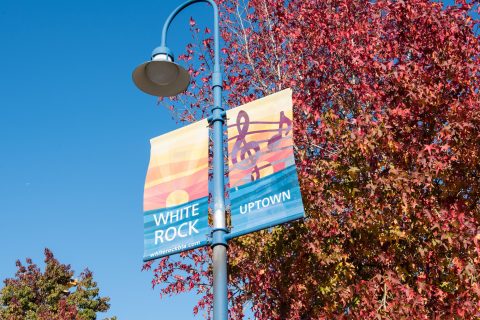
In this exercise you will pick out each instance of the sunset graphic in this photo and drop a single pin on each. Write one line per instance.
(178, 169)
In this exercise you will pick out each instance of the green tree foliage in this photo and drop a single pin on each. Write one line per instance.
(52, 294)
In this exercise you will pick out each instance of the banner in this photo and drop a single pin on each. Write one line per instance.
(264, 188)
(176, 192)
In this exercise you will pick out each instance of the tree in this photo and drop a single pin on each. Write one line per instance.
(52, 294)
(387, 134)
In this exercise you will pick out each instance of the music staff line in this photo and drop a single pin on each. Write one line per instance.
(252, 122)
(256, 171)
(280, 130)
(269, 140)
(241, 164)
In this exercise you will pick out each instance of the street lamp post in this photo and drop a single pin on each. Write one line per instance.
(162, 77)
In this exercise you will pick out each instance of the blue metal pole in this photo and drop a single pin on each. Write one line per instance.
(219, 242)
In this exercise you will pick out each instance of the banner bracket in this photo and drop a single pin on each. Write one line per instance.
(221, 117)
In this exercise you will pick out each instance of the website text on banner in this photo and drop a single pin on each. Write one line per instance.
(264, 188)
(176, 192)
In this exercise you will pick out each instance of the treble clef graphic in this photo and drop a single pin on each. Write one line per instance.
(243, 150)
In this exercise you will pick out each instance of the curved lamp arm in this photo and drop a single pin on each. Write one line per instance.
(219, 241)
(216, 33)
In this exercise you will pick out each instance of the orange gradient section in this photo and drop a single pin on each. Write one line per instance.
(178, 168)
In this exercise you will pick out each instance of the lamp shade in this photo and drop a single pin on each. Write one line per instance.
(161, 77)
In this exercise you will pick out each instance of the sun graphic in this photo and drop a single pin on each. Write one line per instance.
(176, 198)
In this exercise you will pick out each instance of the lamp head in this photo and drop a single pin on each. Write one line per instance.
(161, 76)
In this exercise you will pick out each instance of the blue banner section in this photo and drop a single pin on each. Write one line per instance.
(172, 230)
(266, 202)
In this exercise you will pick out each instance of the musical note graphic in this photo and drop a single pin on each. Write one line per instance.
(246, 155)
(257, 171)
(284, 120)
(243, 150)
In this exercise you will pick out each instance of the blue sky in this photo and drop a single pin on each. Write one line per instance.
(74, 143)
(75, 136)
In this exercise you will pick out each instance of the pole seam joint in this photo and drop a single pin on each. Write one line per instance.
(219, 237)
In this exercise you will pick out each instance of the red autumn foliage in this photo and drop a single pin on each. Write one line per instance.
(387, 134)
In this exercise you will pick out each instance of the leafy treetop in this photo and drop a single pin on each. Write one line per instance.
(52, 294)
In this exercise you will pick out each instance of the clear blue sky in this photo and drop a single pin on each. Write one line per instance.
(74, 143)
